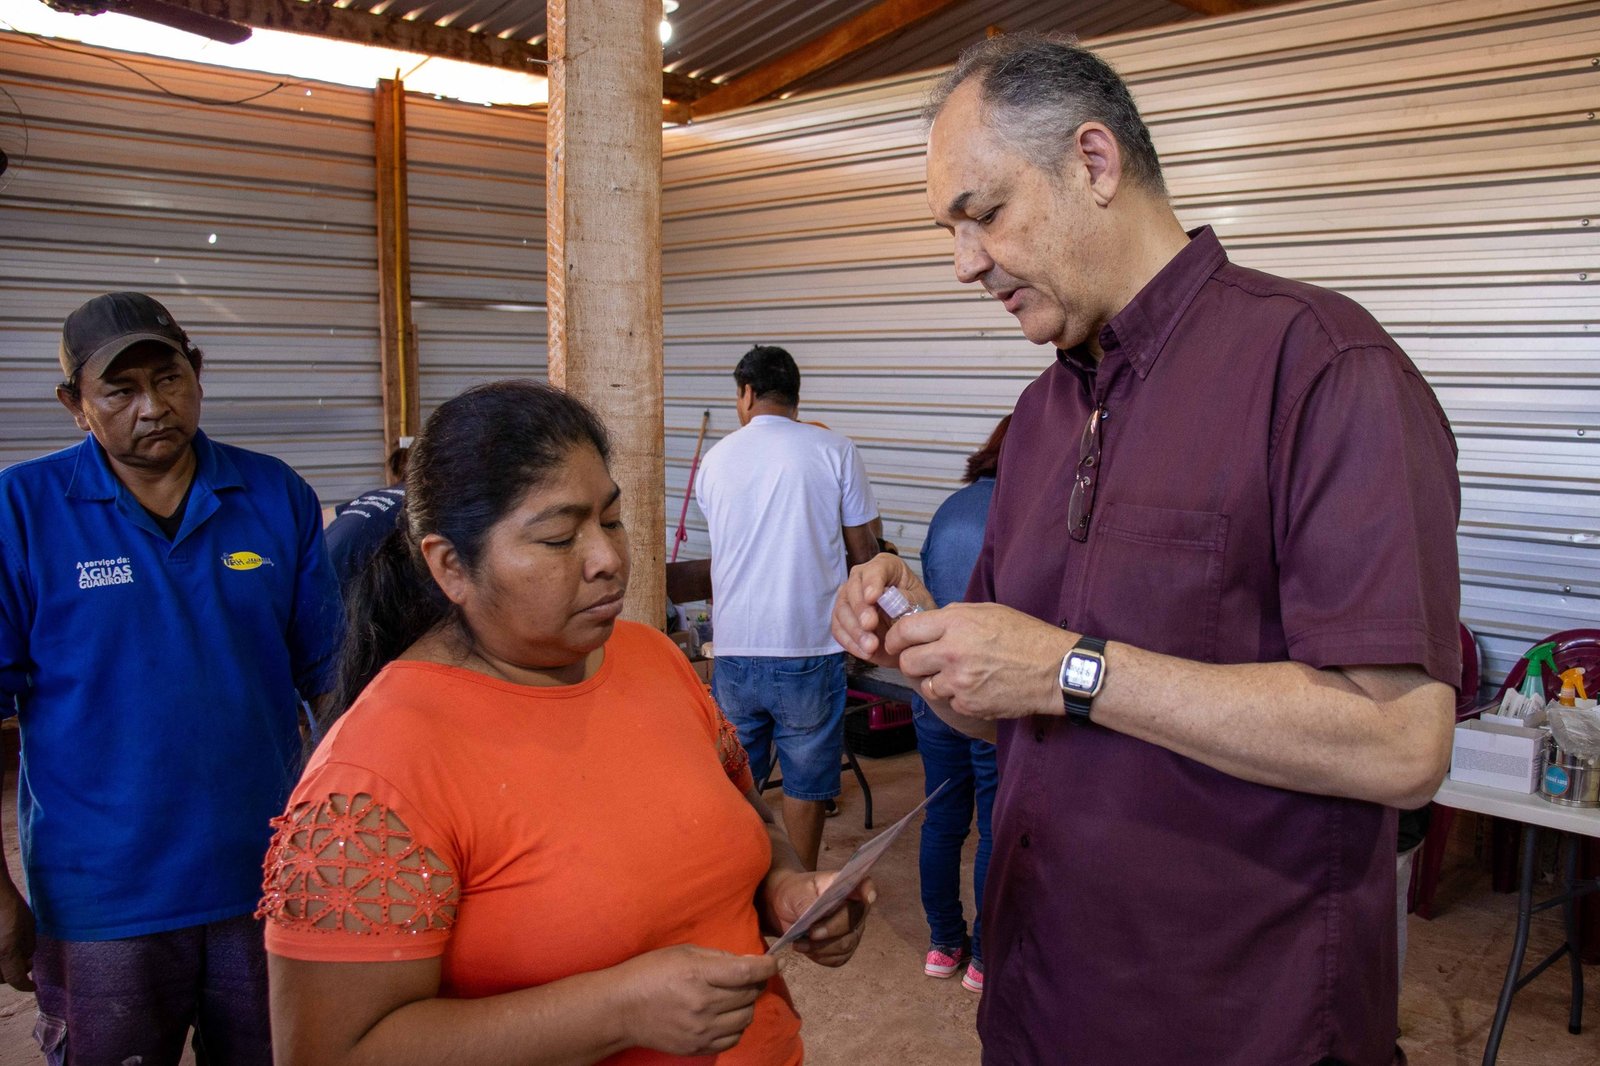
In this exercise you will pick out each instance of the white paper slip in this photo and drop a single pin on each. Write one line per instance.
(848, 877)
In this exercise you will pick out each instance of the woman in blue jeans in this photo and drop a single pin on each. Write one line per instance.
(955, 535)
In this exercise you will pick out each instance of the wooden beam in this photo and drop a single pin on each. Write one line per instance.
(448, 42)
(689, 582)
(872, 25)
(397, 336)
(682, 87)
(603, 284)
(1226, 7)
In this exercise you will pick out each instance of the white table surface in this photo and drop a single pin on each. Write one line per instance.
(1522, 808)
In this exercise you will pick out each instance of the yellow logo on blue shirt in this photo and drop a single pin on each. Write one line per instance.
(244, 561)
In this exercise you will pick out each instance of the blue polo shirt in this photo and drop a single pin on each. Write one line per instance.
(358, 530)
(157, 682)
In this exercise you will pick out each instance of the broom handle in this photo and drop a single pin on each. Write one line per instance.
(694, 465)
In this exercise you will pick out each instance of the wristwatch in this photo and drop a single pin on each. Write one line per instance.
(1083, 674)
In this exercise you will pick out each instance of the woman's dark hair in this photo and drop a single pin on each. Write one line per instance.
(771, 372)
(986, 460)
(477, 456)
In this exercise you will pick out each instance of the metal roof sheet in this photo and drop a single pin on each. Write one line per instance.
(720, 40)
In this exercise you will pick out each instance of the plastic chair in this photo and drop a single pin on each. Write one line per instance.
(1425, 872)
(1574, 647)
(1467, 694)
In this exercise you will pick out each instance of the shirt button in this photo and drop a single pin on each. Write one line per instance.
(1026, 840)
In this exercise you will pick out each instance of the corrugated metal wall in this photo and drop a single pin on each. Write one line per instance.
(476, 189)
(124, 186)
(1437, 161)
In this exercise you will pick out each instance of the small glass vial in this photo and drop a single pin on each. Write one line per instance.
(893, 603)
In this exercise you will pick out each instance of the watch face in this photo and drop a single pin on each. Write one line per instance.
(1082, 673)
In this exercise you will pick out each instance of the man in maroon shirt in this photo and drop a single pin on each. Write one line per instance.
(1214, 625)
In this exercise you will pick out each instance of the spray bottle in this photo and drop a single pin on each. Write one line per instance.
(1572, 687)
(1529, 699)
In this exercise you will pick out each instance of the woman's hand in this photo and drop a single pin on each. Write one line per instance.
(833, 939)
(688, 1000)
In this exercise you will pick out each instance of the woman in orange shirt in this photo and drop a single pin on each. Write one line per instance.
(532, 838)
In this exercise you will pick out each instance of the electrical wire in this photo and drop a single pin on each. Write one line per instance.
(22, 154)
(142, 75)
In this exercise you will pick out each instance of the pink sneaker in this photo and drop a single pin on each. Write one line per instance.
(972, 980)
(942, 963)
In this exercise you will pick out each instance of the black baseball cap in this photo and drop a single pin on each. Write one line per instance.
(106, 326)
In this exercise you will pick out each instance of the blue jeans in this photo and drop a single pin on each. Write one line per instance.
(796, 703)
(107, 1002)
(969, 766)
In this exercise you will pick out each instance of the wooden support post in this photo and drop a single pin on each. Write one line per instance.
(603, 184)
(397, 337)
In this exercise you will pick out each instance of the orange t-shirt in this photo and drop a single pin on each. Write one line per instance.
(526, 834)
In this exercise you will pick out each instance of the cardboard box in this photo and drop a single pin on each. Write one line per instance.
(703, 668)
(1499, 756)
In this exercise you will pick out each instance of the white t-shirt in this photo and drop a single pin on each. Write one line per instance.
(776, 495)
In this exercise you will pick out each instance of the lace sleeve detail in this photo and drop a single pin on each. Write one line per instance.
(348, 864)
(735, 761)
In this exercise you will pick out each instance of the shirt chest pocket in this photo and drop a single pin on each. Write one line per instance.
(1155, 578)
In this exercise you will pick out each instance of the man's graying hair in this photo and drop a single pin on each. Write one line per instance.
(1037, 92)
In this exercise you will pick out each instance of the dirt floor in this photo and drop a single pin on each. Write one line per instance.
(881, 1010)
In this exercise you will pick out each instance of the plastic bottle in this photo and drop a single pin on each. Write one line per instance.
(1572, 687)
(893, 603)
(1529, 698)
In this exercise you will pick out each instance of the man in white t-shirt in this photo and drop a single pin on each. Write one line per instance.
(789, 509)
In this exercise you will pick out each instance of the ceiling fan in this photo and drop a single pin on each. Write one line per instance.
(168, 14)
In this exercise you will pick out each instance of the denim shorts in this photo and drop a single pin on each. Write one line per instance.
(795, 704)
(108, 1002)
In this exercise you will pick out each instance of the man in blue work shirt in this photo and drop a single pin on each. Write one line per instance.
(360, 526)
(166, 602)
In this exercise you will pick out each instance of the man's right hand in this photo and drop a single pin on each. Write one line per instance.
(690, 1000)
(858, 625)
(16, 939)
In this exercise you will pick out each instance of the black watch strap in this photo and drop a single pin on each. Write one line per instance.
(1078, 706)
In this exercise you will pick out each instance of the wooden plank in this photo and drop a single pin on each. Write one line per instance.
(871, 25)
(1212, 7)
(603, 183)
(411, 35)
(689, 582)
(397, 336)
(1225, 7)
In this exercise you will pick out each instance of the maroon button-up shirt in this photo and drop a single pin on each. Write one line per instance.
(1276, 482)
